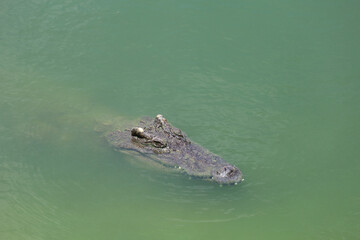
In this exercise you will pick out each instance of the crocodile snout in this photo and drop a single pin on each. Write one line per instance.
(227, 175)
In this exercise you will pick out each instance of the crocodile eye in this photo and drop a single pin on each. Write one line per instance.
(156, 142)
(138, 132)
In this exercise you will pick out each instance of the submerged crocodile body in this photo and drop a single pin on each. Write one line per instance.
(168, 145)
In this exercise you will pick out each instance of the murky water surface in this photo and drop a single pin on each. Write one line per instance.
(271, 86)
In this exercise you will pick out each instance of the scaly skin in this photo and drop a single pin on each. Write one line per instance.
(164, 143)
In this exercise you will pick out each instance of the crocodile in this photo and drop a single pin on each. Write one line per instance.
(158, 140)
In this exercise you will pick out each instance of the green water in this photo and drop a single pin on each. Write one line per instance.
(271, 86)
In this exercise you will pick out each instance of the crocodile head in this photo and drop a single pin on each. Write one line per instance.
(162, 142)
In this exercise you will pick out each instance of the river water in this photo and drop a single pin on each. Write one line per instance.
(271, 86)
